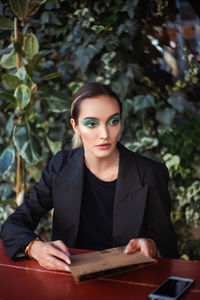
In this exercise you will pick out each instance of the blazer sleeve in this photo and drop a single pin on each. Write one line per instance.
(18, 230)
(157, 213)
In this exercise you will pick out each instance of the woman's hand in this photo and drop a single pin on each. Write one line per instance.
(51, 255)
(147, 246)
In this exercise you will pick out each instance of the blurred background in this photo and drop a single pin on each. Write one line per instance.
(148, 51)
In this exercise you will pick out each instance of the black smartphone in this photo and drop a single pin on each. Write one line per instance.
(172, 288)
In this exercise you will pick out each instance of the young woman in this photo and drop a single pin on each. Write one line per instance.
(103, 195)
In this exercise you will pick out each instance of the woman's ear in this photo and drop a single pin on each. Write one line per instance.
(75, 127)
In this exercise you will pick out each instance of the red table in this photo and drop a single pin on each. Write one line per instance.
(27, 280)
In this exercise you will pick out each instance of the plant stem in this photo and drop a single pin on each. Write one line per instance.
(16, 39)
(24, 176)
(18, 179)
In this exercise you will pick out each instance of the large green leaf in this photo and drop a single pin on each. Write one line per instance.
(83, 57)
(171, 161)
(6, 191)
(23, 95)
(9, 125)
(142, 102)
(56, 104)
(8, 61)
(6, 50)
(7, 159)
(165, 116)
(27, 143)
(149, 142)
(54, 146)
(9, 97)
(32, 64)
(6, 24)
(21, 73)
(51, 76)
(177, 102)
(31, 45)
(11, 81)
(36, 171)
(20, 8)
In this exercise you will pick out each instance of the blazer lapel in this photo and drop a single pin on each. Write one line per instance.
(130, 200)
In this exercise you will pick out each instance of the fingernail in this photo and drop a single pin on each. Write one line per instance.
(126, 250)
(68, 261)
(67, 269)
(68, 254)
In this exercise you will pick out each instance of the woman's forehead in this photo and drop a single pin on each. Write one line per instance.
(100, 106)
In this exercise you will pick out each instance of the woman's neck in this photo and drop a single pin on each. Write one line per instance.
(105, 168)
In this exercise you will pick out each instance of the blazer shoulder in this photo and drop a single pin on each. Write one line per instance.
(60, 159)
(144, 163)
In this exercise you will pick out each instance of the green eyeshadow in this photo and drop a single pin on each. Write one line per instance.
(116, 118)
(90, 123)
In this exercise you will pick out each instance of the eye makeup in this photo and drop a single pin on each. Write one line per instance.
(114, 120)
(90, 123)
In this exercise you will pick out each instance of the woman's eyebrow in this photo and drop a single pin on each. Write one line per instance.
(96, 118)
(92, 118)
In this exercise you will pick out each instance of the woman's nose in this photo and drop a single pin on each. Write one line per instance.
(104, 134)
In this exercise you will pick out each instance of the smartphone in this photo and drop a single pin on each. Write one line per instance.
(172, 288)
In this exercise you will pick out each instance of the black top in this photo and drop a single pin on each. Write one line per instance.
(96, 220)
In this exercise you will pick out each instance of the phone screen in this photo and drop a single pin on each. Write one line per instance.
(172, 288)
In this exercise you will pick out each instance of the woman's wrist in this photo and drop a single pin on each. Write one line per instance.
(27, 251)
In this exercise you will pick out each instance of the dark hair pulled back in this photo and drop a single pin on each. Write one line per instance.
(90, 90)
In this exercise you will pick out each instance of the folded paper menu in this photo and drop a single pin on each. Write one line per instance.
(96, 264)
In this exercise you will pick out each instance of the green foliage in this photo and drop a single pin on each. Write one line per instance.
(68, 43)
(6, 24)
(24, 85)
(8, 61)
(9, 97)
(23, 95)
(26, 142)
(7, 159)
(20, 8)
(11, 81)
(191, 247)
(31, 46)
(23, 98)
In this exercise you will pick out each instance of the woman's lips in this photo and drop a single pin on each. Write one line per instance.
(103, 146)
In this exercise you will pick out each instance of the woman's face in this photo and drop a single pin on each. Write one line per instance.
(98, 125)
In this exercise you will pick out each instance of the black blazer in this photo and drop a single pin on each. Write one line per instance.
(141, 205)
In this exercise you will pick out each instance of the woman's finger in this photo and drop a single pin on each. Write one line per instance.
(60, 245)
(53, 263)
(150, 248)
(63, 248)
(43, 251)
(54, 251)
(147, 246)
(132, 246)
